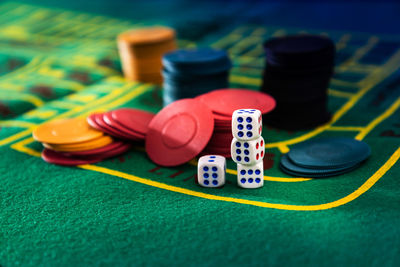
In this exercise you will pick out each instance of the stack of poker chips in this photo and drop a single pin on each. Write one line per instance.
(223, 103)
(73, 142)
(100, 136)
(141, 51)
(183, 129)
(247, 148)
(297, 74)
(192, 72)
(324, 157)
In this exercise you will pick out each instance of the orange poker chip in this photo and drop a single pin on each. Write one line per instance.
(141, 51)
(66, 131)
(83, 146)
(147, 35)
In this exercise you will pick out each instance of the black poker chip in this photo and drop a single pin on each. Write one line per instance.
(297, 74)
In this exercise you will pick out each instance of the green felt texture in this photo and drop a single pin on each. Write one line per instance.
(127, 211)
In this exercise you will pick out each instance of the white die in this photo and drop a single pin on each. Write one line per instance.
(211, 171)
(250, 176)
(246, 124)
(247, 152)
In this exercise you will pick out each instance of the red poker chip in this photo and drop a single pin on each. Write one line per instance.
(221, 140)
(96, 151)
(51, 156)
(133, 119)
(91, 119)
(108, 119)
(179, 132)
(54, 157)
(222, 118)
(226, 101)
(99, 119)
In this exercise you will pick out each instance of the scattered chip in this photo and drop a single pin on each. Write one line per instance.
(324, 157)
(65, 131)
(66, 160)
(179, 132)
(329, 152)
(289, 167)
(107, 118)
(82, 146)
(96, 151)
(226, 101)
(133, 119)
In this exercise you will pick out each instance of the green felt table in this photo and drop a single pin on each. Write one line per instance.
(57, 63)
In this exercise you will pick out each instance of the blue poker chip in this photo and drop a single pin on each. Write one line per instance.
(320, 174)
(189, 73)
(336, 152)
(196, 61)
(290, 167)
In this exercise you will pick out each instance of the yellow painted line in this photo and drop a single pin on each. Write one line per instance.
(229, 39)
(62, 104)
(358, 192)
(342, 94)
(283, 149)
(378, 120)
(16, 136)
(245, 80)
(29, 67)
(34, 100)
(363, 50)
(20, 146)
(19, 124)
(343, 83)
(7, 85)
(342, 43)
(40, 114)
(345, 128)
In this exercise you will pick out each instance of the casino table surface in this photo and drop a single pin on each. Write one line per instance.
(59, 60)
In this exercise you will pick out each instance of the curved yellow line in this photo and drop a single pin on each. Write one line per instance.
(37, 102)
(358, 192)
(14, 123)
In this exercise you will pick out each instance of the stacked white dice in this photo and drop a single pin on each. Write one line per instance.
(247, 148)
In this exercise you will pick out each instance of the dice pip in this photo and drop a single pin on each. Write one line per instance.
(247, 152)
(246, 124)
(250, 176)
(211, 171)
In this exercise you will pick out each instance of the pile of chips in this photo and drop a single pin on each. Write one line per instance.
(73, 142)
(189, 73)
(297, 75)
(125, 123)
(95, 138)
(324, 157)
(189, 127)
(141, 51)
(223, 103)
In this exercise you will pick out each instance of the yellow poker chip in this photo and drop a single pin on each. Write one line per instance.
(83, 146)
(66, 131)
